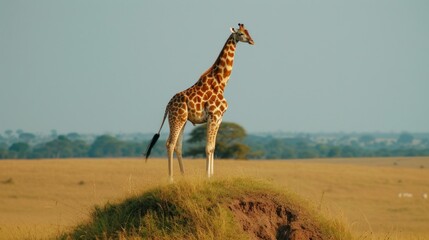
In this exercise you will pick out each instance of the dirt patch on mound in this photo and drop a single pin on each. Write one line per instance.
(264, 218)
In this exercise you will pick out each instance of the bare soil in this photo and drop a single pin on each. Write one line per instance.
(262, 217)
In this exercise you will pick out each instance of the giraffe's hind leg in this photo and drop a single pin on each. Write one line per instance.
(176, 125)
(178, 149)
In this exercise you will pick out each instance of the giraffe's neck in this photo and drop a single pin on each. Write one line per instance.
(222, 67)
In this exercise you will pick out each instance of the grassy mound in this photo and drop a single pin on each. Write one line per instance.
(224, 209)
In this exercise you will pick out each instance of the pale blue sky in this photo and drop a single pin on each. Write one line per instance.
(112, 66)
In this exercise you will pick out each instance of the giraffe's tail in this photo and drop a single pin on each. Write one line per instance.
(152, 143)
(155, 137)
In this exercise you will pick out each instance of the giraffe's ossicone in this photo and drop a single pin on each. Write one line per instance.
(202, 103)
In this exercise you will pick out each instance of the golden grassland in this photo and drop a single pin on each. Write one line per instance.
(41, 198)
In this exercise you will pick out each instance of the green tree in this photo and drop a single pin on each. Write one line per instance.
(3, 151)
(61, 147)
(131, 148)
(236, 151)
(73, 136)
(349, 151)
(229, 141)
(308, 153)
(26, 137)
(405, 139)
(335, 151)
(288, 152)
(80, 148)
(106, 146)
(323, 150)
(19, 150)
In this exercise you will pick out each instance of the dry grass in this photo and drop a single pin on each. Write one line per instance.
(39, 198)
(236, 208)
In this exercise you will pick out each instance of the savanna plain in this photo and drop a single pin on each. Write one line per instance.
(376, 198)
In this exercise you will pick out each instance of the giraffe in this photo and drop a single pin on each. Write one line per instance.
(202, 103)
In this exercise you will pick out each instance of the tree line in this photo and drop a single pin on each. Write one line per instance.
(302, 148)
(232, 143)
(63, 147)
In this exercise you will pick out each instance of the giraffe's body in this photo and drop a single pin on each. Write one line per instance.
(202, 103)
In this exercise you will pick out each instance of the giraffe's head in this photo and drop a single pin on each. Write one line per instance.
(241, 34)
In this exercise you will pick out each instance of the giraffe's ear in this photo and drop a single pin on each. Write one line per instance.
(232, 30)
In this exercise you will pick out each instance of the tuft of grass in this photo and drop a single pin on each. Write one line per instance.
(8, 181)
(194, 210)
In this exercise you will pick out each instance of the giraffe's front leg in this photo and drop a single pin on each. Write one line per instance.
(213, 124)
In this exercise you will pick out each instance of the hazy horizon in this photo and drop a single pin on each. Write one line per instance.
(109, 66)
(165, 132)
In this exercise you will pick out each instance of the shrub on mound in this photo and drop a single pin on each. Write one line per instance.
(225, 209)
